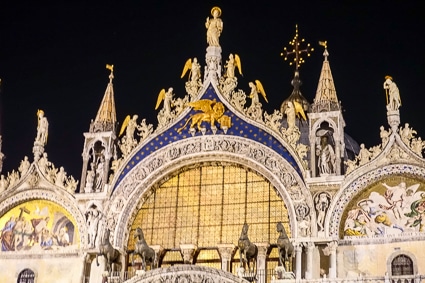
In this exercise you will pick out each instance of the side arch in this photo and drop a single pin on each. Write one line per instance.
(258, 157)
(62, 200)
(350, 190)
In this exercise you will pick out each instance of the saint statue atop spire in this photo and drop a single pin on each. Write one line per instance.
(214, 27)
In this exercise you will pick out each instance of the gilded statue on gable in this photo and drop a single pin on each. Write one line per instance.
(214, 27)
(212, 112)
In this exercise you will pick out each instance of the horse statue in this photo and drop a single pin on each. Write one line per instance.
(285, 247)
(142, 249)
(247, 251)
(111, 254)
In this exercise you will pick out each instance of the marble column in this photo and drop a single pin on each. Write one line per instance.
(298, 259)
(226, 252)
(332, 259)
(261, 261)
(309, 269)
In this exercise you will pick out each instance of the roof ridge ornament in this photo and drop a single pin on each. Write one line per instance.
(297, 50)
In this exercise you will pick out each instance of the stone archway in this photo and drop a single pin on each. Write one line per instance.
(131, 191)
(186, 274)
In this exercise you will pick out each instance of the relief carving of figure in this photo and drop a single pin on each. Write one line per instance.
(214, 27)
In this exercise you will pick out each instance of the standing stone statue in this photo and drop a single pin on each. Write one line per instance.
(214, 27)
(392, 94)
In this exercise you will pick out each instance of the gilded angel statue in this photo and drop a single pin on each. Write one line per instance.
(167, 97)
(233, 62)
(255, 89)
(195, 69)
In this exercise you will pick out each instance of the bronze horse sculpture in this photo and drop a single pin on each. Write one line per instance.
(285, 247)
(142, 249)
(247, 251)
(112, 255)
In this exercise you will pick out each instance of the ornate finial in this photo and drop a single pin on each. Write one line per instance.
(325, 44)
(111, 68)
(296, 42)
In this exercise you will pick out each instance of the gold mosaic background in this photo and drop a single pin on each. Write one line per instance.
(208, 205)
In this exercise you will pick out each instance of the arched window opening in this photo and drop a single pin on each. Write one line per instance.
(26, 276)
(402, 265)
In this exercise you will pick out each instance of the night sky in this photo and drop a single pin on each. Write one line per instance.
(53, 57)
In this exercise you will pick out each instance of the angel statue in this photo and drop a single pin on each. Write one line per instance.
(194, 82)
(255, 110)
(166, 113)
(195, 69)
(392, 94)
(214, 27)
(233, 62)
(128, 142)
(255, 89)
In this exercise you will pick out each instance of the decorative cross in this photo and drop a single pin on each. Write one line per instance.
(296, 50)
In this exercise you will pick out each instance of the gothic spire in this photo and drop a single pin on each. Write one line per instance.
(326, 99)
(106, 117)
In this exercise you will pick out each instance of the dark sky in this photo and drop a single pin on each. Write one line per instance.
(53, 57)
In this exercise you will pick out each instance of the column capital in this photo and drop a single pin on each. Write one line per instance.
(226, 250)
(262, 248)
(188, 251)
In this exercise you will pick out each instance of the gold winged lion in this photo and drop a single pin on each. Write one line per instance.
(212, 111)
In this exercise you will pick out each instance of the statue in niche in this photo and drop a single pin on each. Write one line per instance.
(214, 27)
(99, 175)
(90, 179)
(321, 203)
(326, 154)
(392, 94)
(42, 128)
(93, 217)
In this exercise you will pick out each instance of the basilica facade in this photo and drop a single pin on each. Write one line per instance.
(220, 190)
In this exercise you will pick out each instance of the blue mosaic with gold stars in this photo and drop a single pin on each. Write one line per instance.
(239, 128)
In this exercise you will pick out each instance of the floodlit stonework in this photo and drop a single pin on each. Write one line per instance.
(167, 202)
